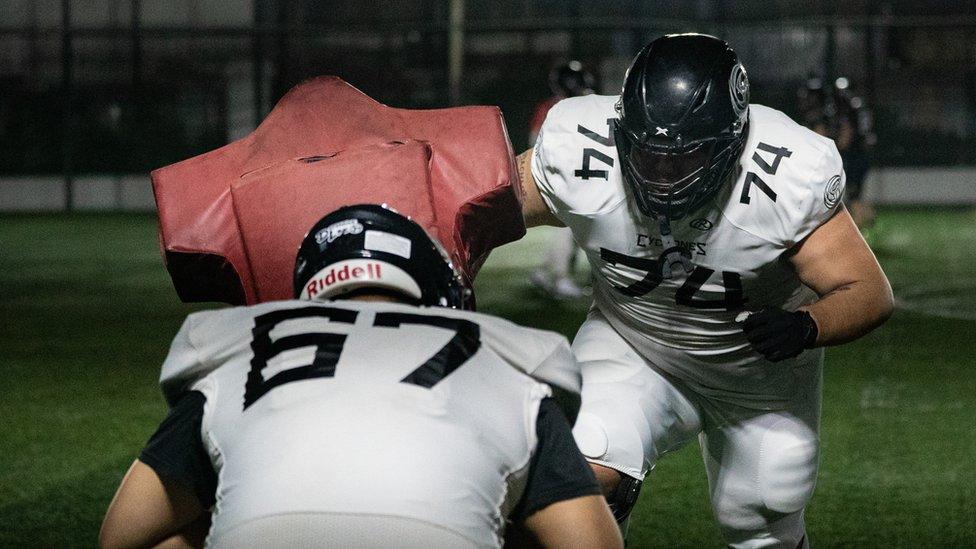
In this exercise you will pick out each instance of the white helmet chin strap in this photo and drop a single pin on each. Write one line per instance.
(674, 258)
(352, 274)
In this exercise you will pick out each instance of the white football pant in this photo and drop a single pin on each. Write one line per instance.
(761, 465)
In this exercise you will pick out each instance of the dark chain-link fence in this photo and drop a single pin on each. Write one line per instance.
(121, 86)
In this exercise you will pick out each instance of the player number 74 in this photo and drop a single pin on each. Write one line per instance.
(733, 299)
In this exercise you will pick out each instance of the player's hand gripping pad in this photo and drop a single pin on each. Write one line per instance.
(210, 216)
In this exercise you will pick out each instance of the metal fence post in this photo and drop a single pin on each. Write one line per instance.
(257, 60)
(455, 51)
(67, 133)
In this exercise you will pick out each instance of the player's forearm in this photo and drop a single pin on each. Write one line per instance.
(192, 536)
(534, 209)
(147, 511)
(585, 521)
(852, 310)
(855, 296)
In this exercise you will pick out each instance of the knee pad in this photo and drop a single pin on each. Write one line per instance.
(590, 436)
(624, 497)
(788, 469)
(788, 532)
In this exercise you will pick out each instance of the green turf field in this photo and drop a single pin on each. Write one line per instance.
(87, 313)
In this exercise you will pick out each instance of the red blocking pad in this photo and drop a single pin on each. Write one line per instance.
(275, 206)
(475, 199)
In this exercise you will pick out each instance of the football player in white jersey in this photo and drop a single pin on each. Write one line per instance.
(373, 411)
(723, 263)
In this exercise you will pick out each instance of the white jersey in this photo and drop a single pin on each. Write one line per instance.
(368, 409)
(789, 181)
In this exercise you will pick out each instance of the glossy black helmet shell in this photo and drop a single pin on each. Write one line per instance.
(353, 239)
(683, 116)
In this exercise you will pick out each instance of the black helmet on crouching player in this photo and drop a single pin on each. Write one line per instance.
(683, 116)
(373, 248)
(570, 79)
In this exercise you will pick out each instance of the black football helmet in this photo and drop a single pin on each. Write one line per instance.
(570, 79)
(683, 121)
(373, 248)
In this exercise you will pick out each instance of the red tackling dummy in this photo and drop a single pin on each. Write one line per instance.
(231, 220)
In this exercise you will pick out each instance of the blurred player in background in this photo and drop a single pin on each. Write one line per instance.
(565, 80)
(555, 276)
(373, 411)
(723, 262)
(837, 113)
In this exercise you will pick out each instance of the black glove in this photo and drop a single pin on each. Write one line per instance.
(779, 334)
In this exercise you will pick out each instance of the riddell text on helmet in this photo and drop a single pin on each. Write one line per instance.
(324, 280)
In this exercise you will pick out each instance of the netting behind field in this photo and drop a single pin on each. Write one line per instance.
(120, 86)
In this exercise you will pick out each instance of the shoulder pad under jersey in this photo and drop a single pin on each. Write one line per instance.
(204, 342)
(541, 354)
(791, 180)
(574, 161)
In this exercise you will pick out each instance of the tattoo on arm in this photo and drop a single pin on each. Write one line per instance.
(520, 166)
(534, 209)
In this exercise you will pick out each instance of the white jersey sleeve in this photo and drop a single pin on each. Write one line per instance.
(183, 364)
(800, 173)
(543, 355)
(204, 342)
(821, 198)
(574, 156)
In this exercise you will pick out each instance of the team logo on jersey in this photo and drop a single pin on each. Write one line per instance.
(833, 192)
(739, 89)
(701, 224)
(694, 248)
(335, 230)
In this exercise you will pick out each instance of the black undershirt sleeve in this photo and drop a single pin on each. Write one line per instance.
(176, 452)
(558, 470)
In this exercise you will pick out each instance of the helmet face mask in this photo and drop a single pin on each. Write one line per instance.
(683, 117)
(669, 171)
(673, 183)
(373, 249)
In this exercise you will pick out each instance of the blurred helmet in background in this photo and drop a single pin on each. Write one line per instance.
(570, 80)
(683, 117)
